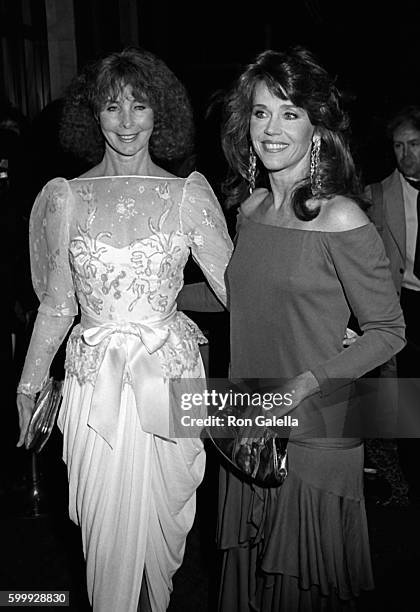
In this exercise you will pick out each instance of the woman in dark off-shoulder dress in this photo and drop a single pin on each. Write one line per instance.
(306, 258)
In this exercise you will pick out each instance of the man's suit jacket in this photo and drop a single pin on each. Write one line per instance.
(389, 218)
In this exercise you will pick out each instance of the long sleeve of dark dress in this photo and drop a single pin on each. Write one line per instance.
(362, 268)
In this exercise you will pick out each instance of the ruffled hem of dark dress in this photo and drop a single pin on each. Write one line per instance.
(303, 546)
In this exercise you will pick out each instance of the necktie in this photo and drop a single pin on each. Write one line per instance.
(416, 268)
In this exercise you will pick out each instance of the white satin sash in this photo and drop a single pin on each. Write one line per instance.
(132, 347)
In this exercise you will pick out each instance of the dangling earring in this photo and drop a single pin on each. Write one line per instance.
(316, 183)
(252, 169)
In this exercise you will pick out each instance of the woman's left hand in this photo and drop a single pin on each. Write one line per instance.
(349, 337)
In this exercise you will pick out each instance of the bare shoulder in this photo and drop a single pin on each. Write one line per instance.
(94, 172)
(250, 205)
(340, 214)
(165, 174)
(156, 170)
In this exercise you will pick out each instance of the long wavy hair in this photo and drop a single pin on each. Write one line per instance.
(297, 76)
(151, 79)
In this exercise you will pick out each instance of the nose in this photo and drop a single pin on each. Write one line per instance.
(126, 117)
(273, 126)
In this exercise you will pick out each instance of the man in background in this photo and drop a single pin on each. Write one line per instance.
(396, 213)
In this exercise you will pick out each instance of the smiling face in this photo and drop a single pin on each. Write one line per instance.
(281, 132)
(406, 143)
(127, 123)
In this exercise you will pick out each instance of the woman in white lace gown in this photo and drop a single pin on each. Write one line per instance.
(112, 245)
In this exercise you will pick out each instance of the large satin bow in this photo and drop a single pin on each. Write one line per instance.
(131, 347)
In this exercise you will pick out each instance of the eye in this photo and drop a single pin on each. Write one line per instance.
(290, 115)
(259, 114)
(111, 107)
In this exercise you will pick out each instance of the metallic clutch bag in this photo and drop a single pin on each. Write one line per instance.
(261, 460)
(44, 415)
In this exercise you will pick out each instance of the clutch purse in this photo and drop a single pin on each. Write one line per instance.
(44, 415)
(261, 460)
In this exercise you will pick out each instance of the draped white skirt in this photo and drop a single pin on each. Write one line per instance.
(135, 503)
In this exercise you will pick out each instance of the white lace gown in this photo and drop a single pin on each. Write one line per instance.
(114, 249)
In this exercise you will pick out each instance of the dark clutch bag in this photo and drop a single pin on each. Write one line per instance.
(44, 415)
(260, 459)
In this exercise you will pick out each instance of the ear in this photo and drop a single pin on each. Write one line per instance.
(316, 136)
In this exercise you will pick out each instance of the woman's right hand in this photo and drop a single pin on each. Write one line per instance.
(25, 406)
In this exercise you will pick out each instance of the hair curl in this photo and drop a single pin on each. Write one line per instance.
(295, 75)
(151, 79)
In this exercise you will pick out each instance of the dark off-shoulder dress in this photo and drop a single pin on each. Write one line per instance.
(305, 545)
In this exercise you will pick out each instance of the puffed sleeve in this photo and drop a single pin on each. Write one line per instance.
(362, 268)
(52, 281)
(203, 223)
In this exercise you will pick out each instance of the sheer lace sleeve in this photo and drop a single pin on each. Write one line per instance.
(52, 281)
(203, 222)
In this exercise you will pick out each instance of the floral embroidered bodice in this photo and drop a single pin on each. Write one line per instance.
(116, 247)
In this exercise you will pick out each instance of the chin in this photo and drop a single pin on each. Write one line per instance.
(125, 152)
(276, 167)
(410, 171)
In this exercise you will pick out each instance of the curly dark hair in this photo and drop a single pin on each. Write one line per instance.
(295, 75)
(151, 80)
